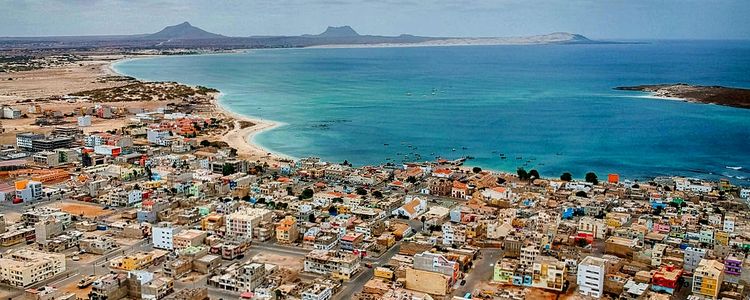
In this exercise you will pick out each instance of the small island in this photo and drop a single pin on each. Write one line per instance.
(720, 95)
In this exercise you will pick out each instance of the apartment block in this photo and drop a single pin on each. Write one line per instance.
(25, 267)
(707, 278)
(590, 277)
(339, 265)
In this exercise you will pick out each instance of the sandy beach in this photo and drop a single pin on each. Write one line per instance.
(242, 138)
(94, 73)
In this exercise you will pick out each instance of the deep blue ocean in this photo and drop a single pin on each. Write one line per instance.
(545, 107)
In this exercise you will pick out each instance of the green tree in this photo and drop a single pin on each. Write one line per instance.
(307, 194)
(591, 177)
(522, 174)
(534, 174)
(377, 194)
(581, 194)
(476, 169)
(411, 179)
(361, 191)
(227, 169)
(566, 176)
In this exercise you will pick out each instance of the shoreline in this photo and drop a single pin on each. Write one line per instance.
(242, 139)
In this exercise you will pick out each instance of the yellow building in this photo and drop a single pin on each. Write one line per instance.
(286, 230)
(383, 272)
(132, 262)
(707, 278)
(721, 238)
(212, 222)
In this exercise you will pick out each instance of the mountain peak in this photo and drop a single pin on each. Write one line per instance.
(341, 31)
(183, 31)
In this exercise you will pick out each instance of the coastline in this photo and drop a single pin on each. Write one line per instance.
(238, 137)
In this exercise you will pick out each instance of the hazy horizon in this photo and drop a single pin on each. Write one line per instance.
(617, 19)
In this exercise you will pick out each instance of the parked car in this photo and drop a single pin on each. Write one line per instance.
(85, 282)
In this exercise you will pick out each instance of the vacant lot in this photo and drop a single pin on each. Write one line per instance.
(77, 209)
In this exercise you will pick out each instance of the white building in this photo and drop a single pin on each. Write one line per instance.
(453, 233)
(412, 208)
(158, 137)
(29, 190)
(317, 292)
(745, 193)
(590, 276)
(84, 121)
(692, 258)
(162, 236)
(11, 113)
(729, 224)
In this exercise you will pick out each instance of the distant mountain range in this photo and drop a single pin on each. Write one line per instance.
(183, 31)
(185, 35)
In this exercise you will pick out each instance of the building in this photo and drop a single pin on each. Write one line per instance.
(188, 238)
(317, 292)
(707, 278)
(50, 143)
(412, 208)
(597, 227)
(97, 244)
(339, 265)
(24, 141)
(11, 113)
(590, 276)
(732, 269)
(428, 282)
(286, 230)
(241, 223)
(351, 241)
(158, 137)
(433, 262)
(29, 190)
(25, 267)
(84, 121)
(162, 236)
(666, 279)
(692, 257)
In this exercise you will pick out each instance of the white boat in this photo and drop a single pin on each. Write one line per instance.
(734, 168)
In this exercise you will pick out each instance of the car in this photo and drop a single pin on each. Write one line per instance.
(87, 281)
(75, 258)
(369, 265)
(241, 256)
(463, 282)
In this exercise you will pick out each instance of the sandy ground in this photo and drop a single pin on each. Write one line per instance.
(84, 76)
(55, 81)
(88, 211)
(242, 138)
(27, 124)
(291, 263)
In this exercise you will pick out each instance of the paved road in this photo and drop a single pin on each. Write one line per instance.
(357, 284)
(483, 269)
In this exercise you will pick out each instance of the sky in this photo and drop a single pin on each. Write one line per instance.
(601, 19)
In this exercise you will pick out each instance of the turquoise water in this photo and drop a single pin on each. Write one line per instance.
(550, 108)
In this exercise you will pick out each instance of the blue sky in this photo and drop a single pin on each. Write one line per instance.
(603, 19)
